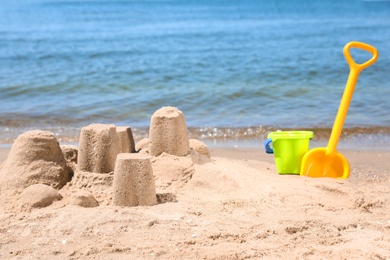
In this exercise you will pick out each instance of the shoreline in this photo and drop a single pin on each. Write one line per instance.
(352, 138)
(366, 148)
(367, 164)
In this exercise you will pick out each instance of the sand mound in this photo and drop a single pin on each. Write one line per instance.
(84, 199)
(38, 196)
(200, 147)
(98, 184)
(35, 157)
(171, 172)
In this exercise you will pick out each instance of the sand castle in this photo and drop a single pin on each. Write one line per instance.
(133, 181)
(126, 139)
(98, 147)
(106, 157)
(35, 158)
(168, 132)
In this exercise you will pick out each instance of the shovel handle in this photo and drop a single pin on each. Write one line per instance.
(363, 46)
(355, 70)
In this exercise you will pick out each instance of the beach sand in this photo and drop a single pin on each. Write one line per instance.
(234, 207)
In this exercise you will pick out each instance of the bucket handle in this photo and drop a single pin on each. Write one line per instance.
(267, 146)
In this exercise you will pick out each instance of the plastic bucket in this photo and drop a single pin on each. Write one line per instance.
(289, 147)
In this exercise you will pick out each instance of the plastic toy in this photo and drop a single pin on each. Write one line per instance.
(288, 148)
(327, 162)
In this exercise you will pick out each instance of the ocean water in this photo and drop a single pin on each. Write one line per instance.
(235, 68)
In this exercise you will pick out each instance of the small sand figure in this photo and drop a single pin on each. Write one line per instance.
(133, 180)
(99, 145)
(168, 133)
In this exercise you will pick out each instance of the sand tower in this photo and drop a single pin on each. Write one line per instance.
(134, 181)
(98, 148)
(35, 158)
(126, 139)
(168, 132)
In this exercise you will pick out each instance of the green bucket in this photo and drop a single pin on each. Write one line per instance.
(289, 147)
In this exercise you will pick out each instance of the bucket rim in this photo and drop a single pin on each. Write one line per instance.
(290, 135)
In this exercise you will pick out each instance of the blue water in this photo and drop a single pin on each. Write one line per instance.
(225, 64)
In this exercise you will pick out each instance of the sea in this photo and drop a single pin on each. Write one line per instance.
(237, 69)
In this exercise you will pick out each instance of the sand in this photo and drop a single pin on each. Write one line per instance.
(234, 207)
(168, 132)
(35, 158)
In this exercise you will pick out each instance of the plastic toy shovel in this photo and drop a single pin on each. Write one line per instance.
(327, 162)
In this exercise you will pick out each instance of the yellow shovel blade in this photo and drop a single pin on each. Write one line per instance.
(316, 163)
